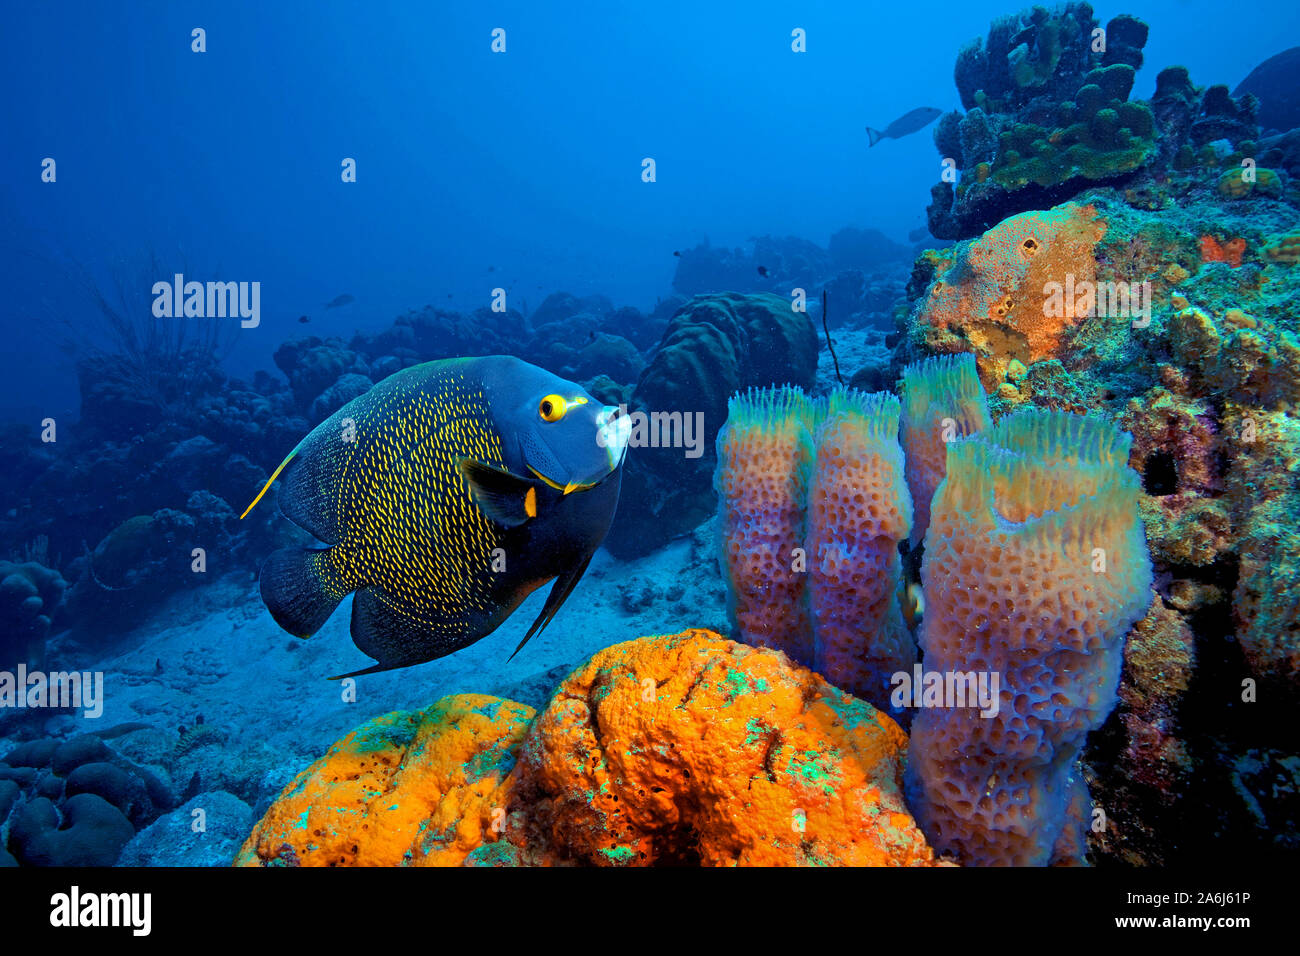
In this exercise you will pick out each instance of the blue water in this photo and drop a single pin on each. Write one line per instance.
(476, 170)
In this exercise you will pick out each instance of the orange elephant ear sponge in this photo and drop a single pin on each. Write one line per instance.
(765, 456)
(942, 401)
(859, 510)
(1036, 567)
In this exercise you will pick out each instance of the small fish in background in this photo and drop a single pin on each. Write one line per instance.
(339, 300)
(304, 319)
(492, 268)
(913, 605)
(467, 485)
(763, 271)
(677, 253)
(917, 119)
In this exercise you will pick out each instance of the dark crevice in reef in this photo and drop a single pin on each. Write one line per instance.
(1217, 819)
(1215, 720)
(1160, 476)
(1229, 806)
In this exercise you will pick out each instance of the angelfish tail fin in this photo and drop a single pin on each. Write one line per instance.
(875, 136)
(298, 590)
(269, 482)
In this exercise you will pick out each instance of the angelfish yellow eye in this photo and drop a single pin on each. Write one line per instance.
(552, 408)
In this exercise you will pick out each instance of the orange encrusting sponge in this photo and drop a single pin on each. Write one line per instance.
(765, 456)
(693, 749)
(420, 788)
(942, 400)
(682, 749)
(859, 510)
(1036, 567)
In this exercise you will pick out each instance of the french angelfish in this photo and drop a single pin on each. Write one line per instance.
(446, 495)
(911, 122)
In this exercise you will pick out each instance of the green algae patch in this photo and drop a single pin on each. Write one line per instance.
(619, 854)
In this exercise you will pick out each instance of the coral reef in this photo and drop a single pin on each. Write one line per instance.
(404, 789)
(75, 802)
(1264, 448)
(988, 295)
(665, 750)
(1209, 369)
(1035, 568)
(787, 261)
(1143, 741)
(861, 271)
(1273, 83)
(1048, 116)
(30, 595)
(1047, 113)
(146, 558)
(1130, 259)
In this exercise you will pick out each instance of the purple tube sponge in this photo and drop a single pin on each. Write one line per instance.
(858, 511)
(1036, 567)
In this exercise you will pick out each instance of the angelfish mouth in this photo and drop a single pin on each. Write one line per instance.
(571, 486)
(613, 433)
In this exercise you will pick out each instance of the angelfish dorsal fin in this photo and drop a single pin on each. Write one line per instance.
(505, 498)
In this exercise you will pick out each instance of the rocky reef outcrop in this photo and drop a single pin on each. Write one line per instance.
(1048, 113)
(1169, 311)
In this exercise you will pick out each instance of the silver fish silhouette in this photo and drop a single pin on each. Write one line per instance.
(918, 119)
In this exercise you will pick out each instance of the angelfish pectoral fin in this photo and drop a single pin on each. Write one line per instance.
(297, 591)
(560, 592)
(505, 498)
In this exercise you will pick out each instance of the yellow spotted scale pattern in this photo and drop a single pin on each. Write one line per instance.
(405, 520)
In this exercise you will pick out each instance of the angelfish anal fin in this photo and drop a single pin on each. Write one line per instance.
(560, 592)
(505, 498)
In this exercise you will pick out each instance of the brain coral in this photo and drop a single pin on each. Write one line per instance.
(859, 510)
(1285, 249)
(992, 299)
(937, 391)
(681, 749)
(715, 346)
(765, 457)
(1035, 569)
(29, 595)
